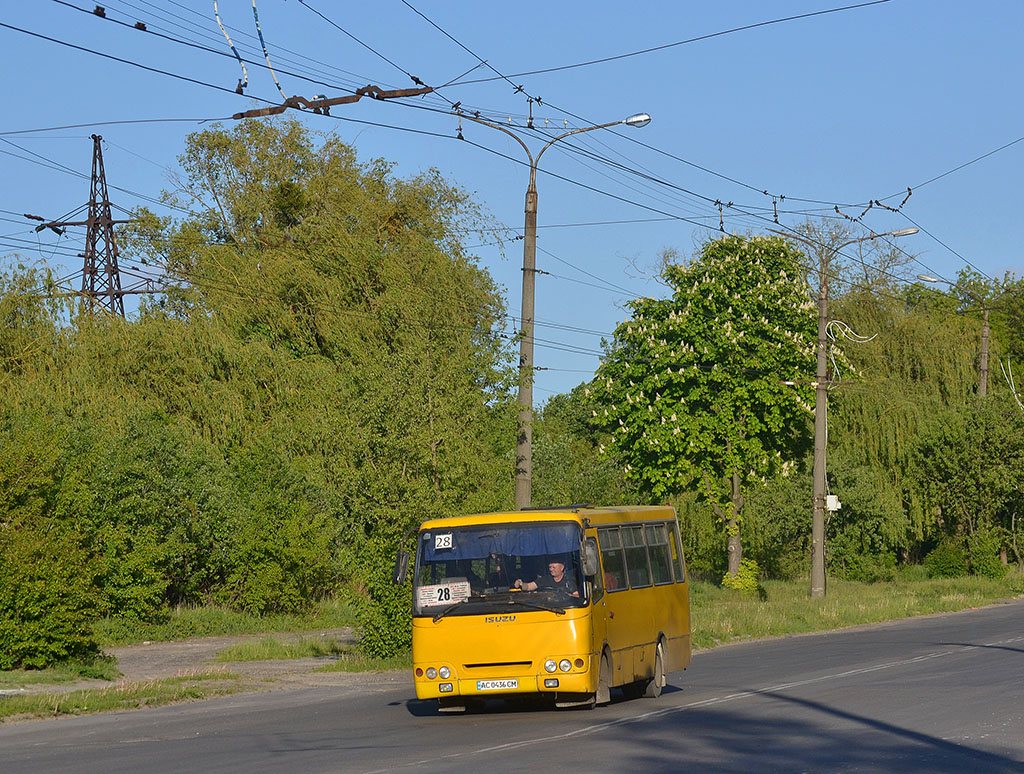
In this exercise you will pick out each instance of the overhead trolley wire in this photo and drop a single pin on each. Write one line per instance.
(127, 61)
(222, 53)
(361, 79)
(519, 88)
(437, 134)
(58, 167)
(958, 255)
(92, 124)
(201, 33)
(398, 128)
(957, 168)
(208, 49)
(666, 45)
(368, 47)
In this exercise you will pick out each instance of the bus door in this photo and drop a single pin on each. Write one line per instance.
(614, 605)
(598, 606)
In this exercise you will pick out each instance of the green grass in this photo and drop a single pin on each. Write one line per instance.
(103, 668)
(358, 662)
(210, 621)
(720, 615)
(270, 648)
(131, 696)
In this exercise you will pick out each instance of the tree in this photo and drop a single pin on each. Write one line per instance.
(918, 362)
(323, 373)
(969, 463)
(568, 466)
(691, 388)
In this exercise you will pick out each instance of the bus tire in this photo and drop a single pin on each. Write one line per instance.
(604, 676)
(653, 688)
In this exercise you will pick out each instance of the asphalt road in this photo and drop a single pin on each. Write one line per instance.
(936, 694)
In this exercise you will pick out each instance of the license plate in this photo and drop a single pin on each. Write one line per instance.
(497, 685)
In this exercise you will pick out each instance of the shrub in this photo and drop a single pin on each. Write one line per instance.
(983, 553)
(47, 600)
(280, 554)
(132, 579)
(385, 612)
(281, 561)
(746, 580)
(866, 568)
(912, 573)
(947, 560)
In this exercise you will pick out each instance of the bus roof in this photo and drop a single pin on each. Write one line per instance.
(596, 516)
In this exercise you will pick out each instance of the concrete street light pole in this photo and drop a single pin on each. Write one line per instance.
(825, 253)
(524, 443)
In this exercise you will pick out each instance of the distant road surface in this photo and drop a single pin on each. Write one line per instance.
(937, 694)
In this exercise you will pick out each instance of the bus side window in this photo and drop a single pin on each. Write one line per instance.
(636, 556)
(612, 558)
(677, 552)
(657, 547)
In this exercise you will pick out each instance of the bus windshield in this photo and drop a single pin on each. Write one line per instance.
(498, 568)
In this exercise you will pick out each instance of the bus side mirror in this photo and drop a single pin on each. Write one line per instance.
(590, 563)
(401, 566)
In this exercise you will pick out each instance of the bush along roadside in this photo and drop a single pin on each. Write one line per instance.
(47, 599)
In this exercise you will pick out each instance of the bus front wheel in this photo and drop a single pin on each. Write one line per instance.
(457, 704)
(604, 676)
(653, 688)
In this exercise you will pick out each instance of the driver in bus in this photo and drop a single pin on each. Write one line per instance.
(555, 580)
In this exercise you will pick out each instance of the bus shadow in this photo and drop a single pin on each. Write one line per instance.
(422, 708)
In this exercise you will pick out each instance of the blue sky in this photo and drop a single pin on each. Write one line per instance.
(837, 108)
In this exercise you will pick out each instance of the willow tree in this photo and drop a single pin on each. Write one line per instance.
(322, 373)
(917, 363)
(692, 386)
(359, 285)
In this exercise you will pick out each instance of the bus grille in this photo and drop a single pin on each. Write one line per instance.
(500, 665)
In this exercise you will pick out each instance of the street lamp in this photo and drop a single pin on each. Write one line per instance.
(524, 443)
(985, 308)
(825, 254)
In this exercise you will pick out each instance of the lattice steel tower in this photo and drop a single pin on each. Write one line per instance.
(101, 278)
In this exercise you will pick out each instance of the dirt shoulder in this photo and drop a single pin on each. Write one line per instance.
(150, 661)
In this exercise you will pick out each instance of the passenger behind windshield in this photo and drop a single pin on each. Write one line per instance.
(555, 580)
(465, 569)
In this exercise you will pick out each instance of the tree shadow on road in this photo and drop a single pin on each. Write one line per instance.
(786, 734)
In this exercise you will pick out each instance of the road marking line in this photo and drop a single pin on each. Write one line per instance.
(714, 700)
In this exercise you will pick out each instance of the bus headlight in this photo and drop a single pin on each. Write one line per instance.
(550, 665)
(444, 673)
(431, 673)
(565, 665)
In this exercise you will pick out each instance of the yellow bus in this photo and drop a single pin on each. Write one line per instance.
(565, 603)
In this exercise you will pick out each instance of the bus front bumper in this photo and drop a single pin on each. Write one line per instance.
(576, 681)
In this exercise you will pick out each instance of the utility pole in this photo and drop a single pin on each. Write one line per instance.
(101, 278)
(983, 363)
(524, 435)
(826, 253)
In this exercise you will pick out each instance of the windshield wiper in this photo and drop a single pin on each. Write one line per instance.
(537, 606)
(517, 602)
(454, 605)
